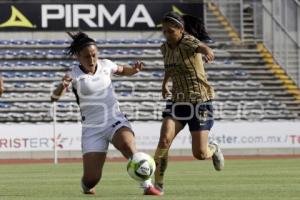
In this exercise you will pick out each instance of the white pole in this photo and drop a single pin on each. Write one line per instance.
(54, 132)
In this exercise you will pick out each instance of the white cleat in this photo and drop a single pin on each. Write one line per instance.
(218, 158)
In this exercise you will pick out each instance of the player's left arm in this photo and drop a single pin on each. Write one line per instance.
(208, 53)
(129, 71)
(1, 86)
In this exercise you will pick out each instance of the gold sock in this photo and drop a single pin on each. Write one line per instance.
(161, 160)
(211, 149)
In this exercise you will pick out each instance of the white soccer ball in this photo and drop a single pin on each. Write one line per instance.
(141, 167)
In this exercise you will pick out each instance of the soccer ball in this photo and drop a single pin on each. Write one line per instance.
(141, 167)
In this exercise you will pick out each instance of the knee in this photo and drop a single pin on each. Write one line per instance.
(200, 155)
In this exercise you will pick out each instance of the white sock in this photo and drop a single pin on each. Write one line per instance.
(146, 184)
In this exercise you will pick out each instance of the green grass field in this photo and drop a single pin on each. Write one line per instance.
(241, 180)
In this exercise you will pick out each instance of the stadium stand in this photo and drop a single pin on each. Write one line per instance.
(246, 88)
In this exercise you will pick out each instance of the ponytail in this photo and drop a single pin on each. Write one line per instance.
(80, 40)
(195, 27)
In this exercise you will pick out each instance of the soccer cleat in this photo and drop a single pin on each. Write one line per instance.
(151, 190)
(160, 187)
(86, 190)
(218, 158)
(91, 191)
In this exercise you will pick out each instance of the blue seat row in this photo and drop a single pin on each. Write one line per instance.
(29, 74)
(49, 53)
(67, 42)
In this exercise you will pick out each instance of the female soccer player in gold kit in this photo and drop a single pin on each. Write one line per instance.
(191, 94)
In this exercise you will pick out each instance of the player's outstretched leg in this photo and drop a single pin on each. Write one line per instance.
(203, 150)
(161, 160)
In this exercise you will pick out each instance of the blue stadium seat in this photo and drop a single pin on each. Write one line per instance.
(239, 73)
(63, 105)
(107, 52)
(17, 42)
(113, 41)
(30, 85)
(141, 41)
(30, 42)
(8, 74)
(126, 41)
(60, 42)
(125, 94)
(4, 42)
(20, 75)
(5, 105)
(157, 74)
(44, 42)
(34, 75)
(144, 74)
(155, 41)
(228, 62)
(100, 42)
(121, 52)
(135, 52)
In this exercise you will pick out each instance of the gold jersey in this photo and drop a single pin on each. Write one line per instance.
(186, 69)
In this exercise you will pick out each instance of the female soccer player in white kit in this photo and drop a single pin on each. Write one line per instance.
(102, 120)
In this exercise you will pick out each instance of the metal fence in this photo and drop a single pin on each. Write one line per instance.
(281, 34)
(233, 11)
(276, 24)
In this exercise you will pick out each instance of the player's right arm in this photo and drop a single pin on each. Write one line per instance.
(61, 88)
(1, 86)
(165, 90)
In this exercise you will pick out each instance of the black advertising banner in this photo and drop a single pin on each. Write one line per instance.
(90, 16)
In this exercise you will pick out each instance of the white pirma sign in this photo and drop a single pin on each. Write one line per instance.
(39, 137)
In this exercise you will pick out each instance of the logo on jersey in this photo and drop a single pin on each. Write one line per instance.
(116, 124)
(17, 19)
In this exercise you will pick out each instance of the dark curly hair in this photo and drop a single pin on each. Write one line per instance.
(80, 40)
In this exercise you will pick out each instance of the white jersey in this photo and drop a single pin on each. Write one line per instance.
(95, 94)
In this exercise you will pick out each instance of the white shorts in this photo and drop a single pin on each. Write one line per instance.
(95, 139)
